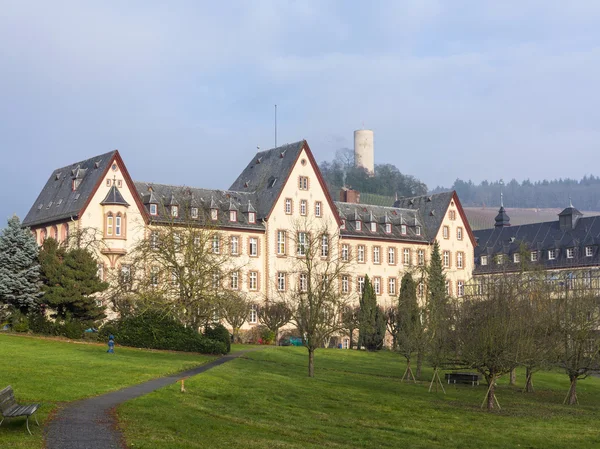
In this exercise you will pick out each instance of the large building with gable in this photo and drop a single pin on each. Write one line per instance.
(256, 217)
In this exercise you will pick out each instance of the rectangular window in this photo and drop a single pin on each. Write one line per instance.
(303, 183)
(406, 256)
(153, 209)
(235, 245)
(343, 225)
(301, 244)
(109, 225)
(345, 252)
(460, 288)
(459, 259)
(570, 252)
(376, 254)
(317, 208)
(373, 227)
(174, 211)
(154, 276)
(235, 280)
(446, 232)
(589, 251)
(119, 183)
(253, 246)
(303, 284)
(392, 256)
(107, 182)
(459, 233)
(418, 230)
(194, 212)
(117, 225)
(253, 280)
(484, 260)
(377, 285)
(281, 237)
(446, 259)
(551, 254)
(421, 289)
(360, 253)
(403, 229)
(216, 244)
(448, 288)
(216, 281)
(358, 225)
(499, 259)
(281, 281)
(345, 284)
(303, 206)
(253, 314)
(154, 240)
(252, 217)
(232, 215)
(360, 280)
(288, 206)
(392, 286)
(388, 228)
(516, 257)
(452, 215)
(176, 241)
(534, 256)
(421, 257)
(324, 245)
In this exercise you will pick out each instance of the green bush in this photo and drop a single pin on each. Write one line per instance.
(39, 324)
(70, 328)
(19, 322)
(218, 332)
(267, 336)
(154, 330)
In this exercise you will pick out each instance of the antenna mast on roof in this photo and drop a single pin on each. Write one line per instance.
(275, 126)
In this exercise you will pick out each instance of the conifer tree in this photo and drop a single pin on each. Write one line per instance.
(410, 329)
(70, 282)
(19, 267)
(372, 319)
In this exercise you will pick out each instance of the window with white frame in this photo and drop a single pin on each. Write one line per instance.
(343, 225)
(360, 253)
(235, 245)
(358, 225)
(346, 343)
(418, 230)
(303, 205)
(377, 285)
(459, 259)
(174, 211)
(253, 280)
(421, 257)
(345, 283)
(194, 212)
(517, 257)
(403, 229)
(484, 260)
(253, 314)
(373, 226)
(499, 259)
(448, 288)
(551, 254)
(345, 252)
(177, 241)
(235, 280)
(460, 288)
(303, 284)
(154, 240)
(589, 251)
(253, 246)
(301, 243)
(360, 281)
(446, 232)
(281, 238)
(214, 214)
(153, 209)
(216, 244)
(324, 245)
(421, 289)
(233, 215)
(303, 183)
(459, 233)
(406, 260)
(392, 256)
(154, 276)
(452, 215)
(288, 206)
(392, 286)
(117, 225)
(317, 208)
(446, 259)
(252, 217)
(376, 254)
(109, 224)
(570, 253)
(281, 278)
(388, 228)
(534, 256)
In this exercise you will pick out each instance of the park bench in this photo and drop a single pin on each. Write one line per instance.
(463, 378)
(10, 409)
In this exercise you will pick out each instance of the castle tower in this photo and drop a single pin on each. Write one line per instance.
(364, 151)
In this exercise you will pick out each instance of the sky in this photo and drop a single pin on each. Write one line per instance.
(186, 90)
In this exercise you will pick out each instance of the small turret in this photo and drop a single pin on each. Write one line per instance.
(502, 219)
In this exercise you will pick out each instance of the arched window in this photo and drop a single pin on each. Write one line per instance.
(65, 232)
(109, 224)
(118, 224)
(54, 233)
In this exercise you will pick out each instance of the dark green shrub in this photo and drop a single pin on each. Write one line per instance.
(267, 336)
(218, 332)
(19, 322)
(154, 330)
(70, 328)
(39, 324)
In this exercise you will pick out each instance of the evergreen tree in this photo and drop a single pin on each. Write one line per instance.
(372, 319)
(70, 282)
(410, 329)
(19, 267)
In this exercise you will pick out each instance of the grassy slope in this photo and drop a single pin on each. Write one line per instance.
(49, 371)
(355, 400)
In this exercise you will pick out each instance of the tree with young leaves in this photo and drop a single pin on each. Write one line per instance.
(70, 282)
(371, 319)
(410, 328)
(274, 315)
(19, 268)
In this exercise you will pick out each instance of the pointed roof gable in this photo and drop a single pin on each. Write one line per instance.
(114, 197)
(58, 201)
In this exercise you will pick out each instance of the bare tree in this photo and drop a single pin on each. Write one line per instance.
(234, 308)
(392, 324)
(274, 315)
(350, 322)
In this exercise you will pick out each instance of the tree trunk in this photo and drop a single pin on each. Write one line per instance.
(351, 335)
(419, 363)
(491, 394)
(529, 381)
(311, 362)
(513, 377)
(573, 391)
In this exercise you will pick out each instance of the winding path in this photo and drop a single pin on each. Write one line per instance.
(90, 423)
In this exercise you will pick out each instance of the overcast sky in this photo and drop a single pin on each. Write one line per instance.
(185, 90)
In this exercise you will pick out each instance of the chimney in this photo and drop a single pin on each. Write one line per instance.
(349, 196)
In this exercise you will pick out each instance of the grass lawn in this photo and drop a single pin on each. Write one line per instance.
(50, 371)
(356, 400)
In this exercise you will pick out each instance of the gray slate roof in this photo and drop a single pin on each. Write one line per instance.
(186, 198)
(539, 237)
(351, 212)
(57, 201)
(266, 174)
(431, 207)
(114, 197)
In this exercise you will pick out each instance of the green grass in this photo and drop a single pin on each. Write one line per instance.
(50, 371)
(356, 400)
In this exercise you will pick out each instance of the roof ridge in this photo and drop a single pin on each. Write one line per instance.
(183, 186)
(68, 166)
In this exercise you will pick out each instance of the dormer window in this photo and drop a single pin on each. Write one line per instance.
(232, 215)
(551, 254)
(570, 253)
(484, 260)
(534, 256)
(214, 214)
(153, 209)
(358, 225)
(343, 225)
(76, 183)
(388, 228)
(516, 257)
(251, 217)
(589, 251)
(403, 229)
(418, 230)
(194, 212)
(174, 211)
(373, 227)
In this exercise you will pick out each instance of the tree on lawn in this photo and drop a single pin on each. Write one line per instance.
(350, 323)
(372, 319)
(71, 282)
(274, 315)
(316, 301)
(392, 322)
(19, 268)
(234, 308)
(410, 328)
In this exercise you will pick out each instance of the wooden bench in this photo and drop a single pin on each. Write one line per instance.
(463, 378)
(10, 409)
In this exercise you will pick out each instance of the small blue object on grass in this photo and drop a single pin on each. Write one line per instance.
(111, 344)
